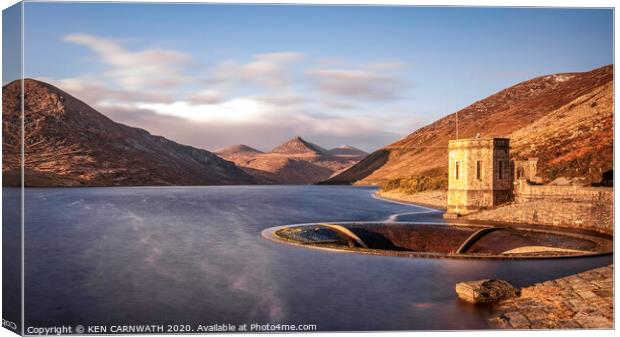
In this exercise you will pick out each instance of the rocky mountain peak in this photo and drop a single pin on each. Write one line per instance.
(299, 146)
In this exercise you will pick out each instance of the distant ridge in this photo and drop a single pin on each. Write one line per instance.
(347, 150)
(295, 161)
(239, 149)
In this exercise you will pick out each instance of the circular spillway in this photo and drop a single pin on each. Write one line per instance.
(414, 239)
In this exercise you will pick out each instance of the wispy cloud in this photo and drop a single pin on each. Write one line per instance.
(271, 70)
(93, 90)
(206, 96)
(135, 70)
(368, 84)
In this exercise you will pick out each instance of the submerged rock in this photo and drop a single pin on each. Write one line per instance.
(485, 291)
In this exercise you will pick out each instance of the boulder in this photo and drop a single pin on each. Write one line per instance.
(486, 291)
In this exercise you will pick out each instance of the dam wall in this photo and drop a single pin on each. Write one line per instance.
(588, 208)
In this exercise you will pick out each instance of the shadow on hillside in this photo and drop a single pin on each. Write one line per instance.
(361, 170)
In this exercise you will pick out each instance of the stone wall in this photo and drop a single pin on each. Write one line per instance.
(526, 169)
(562, 206)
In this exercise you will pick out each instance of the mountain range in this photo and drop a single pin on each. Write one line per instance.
(296, 161)
(565, 120)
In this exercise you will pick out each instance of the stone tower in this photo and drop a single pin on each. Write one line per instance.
(480, 174)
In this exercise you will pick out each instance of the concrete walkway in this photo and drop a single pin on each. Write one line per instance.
(583, 300)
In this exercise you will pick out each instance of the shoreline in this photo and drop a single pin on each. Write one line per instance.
(429, 199)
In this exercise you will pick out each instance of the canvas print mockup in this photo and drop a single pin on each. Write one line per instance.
(197, 168)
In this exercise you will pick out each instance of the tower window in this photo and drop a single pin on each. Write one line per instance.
(479, 170)
(457, 170)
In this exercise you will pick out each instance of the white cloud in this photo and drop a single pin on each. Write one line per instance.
(271, 70)
(238, 110)
(135, 70)
(268, 111)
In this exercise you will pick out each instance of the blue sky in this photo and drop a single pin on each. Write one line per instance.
(218, 75)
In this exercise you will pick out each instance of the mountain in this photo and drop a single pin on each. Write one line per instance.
(296, 161)
(566, 120)
(299, 147)
(68, 143)
(272, 168)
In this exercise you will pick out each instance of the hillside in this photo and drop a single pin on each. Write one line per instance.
(68, 143)
(424, 152)
(296, 161)
(282, 170)
(575, 140)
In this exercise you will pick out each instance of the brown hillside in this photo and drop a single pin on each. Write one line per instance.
(68, 143)
(501, 114)
(575, 140)
(282, 170)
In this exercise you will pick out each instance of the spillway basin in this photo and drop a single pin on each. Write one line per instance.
(413, 239)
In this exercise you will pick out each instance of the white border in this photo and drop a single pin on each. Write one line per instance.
(485, 3)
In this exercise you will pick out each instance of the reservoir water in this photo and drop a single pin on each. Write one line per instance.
(194, 255)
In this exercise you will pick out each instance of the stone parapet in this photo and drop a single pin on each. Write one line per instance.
(577, 207)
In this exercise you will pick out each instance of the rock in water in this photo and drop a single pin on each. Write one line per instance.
(486, 291)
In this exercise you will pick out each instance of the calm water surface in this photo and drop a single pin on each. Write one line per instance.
(195, 256)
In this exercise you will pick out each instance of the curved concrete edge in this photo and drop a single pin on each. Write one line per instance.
(474, 238)
(270, 234)
(536, 249)
(345, 231)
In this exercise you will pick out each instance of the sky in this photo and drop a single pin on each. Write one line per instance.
(212, 76)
